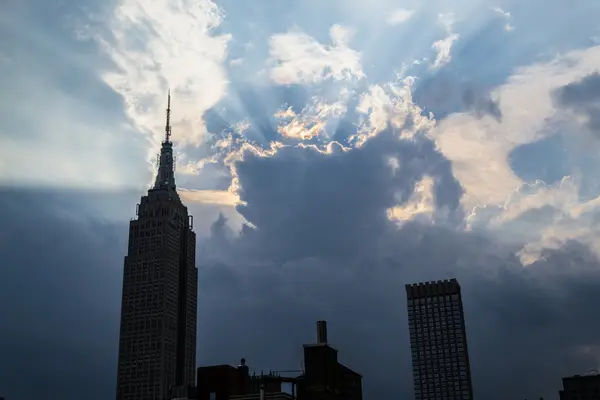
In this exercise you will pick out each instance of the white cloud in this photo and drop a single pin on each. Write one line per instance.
(161, 45)
(503, 218)
(298, 126)
(500, 11)
(399, 16)
(506, 15)
(443, 47)
(479, 148)
(479, 157)
(579, 223)
(420, 205)
(297, 58)
(391, 103)
(314, 119)
(565, 218)
(215, 197)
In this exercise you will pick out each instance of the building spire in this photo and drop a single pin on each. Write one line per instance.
(168, 125)
(165, 177)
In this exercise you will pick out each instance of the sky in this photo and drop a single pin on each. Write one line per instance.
(331, 152)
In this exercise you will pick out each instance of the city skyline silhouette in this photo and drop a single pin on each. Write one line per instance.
(330, 153)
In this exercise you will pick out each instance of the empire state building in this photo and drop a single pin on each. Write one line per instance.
(157, 345)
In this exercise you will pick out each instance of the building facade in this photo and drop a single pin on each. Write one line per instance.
(322, 378)
(157, 344)
(266, 396)
(438, 341)
(581, 387)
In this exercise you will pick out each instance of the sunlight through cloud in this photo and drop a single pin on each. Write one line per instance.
(161, 45)
(297, 58)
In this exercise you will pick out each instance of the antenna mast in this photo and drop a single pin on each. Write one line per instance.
(168, 125)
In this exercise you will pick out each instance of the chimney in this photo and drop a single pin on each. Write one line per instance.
(321, 332)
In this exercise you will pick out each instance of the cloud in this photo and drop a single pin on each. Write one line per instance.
(340, 228)
(69, 323)
(65, 160)
(71, 246)
(322, 245)
(537, 215)
(583, 99)
(314, 119)
(446, 93)
(299, 58)
(399, 16)
(390, 104)
(513, 308)
(549, 217)
(56, 105)
(420, 204)
(506, 15)
(323, 210)
(320, 226)
(443, 47)
(52, 149)
(479, 147)
(500, 11)
(217, 197)
(338, 191)
(481, 105)
(156, 46)
(297, 128)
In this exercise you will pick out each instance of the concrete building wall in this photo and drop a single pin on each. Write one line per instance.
(581, 387)
(438, 340)
(150, 311)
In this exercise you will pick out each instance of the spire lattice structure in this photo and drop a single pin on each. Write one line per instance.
(168, 124)
(165, 177)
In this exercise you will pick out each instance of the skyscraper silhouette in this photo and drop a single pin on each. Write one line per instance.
(157, 345)
(438, 341)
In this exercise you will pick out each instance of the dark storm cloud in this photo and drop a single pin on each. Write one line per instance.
(527, 327)
(343, 196)
(583, 97)
(582, 92)
(61, 260)
(60, 286)
(322, 248)
(481, 105)
(450, 91)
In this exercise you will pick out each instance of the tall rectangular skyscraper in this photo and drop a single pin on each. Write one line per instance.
(157, 345)
(438, 341)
